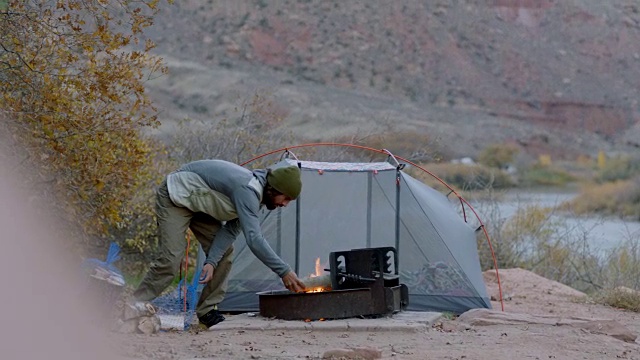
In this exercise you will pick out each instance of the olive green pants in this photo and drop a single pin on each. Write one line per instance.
(173, 222)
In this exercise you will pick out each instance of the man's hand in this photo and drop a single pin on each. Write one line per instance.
(292, 283)
(206, 274)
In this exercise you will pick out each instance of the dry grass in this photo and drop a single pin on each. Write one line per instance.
(621, 298)
(620, 197)
(535, 240)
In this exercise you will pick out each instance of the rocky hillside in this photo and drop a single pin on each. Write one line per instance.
(552, 76)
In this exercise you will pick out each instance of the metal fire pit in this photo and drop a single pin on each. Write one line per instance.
(364, 283)
(313, 306)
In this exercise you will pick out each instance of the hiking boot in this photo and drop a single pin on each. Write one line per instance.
(211, 318)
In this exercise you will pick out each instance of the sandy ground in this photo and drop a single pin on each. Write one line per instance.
(542, 319)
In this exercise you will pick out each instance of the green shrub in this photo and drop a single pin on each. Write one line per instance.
(498, 155)
(539, 175)
(619, 168)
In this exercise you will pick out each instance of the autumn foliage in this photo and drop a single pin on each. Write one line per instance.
(72, 77)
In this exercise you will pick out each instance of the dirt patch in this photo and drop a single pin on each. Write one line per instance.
(524, 291)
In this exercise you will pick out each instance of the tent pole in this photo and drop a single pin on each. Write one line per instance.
(279, 234)
(369, 201)
(398, 212)
(297, 266)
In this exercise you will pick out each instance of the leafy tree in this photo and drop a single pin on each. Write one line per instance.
(72, 76)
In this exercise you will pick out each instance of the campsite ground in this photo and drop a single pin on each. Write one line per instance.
(543, 319)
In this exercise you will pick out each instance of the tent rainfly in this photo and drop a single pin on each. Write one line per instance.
(346, 206)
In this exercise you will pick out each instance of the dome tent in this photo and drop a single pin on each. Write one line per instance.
(346, 206)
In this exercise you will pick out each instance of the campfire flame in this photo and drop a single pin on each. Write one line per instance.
(319, 272)
(319, 268)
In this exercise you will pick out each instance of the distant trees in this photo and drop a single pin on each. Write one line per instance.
(253, 127)
(72, 76)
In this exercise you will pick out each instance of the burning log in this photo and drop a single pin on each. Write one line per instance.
(317, 283)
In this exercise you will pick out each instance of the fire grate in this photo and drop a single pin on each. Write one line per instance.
(364, 282)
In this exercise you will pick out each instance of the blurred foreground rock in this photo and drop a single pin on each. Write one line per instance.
(140, 325)
(138, 317)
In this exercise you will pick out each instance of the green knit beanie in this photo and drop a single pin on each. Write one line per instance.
(286, 180)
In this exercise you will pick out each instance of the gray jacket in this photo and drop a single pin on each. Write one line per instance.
(230, 194)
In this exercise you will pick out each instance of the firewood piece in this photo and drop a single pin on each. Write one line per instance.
(322, 281)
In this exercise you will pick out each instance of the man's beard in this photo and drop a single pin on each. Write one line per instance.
(268, 200)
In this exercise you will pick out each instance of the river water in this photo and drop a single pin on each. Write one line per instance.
(601, 233)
